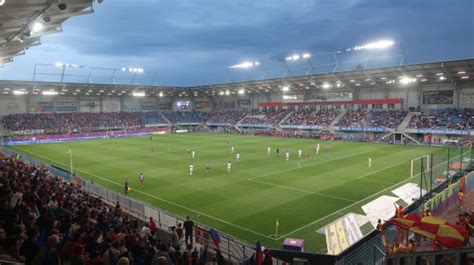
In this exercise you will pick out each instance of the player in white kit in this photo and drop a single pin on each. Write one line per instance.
(229, 166)
(287, 155)
(193, 154)
(232, 149)
(300, 153)
(269, 150)
(237, 157)
(317, 149)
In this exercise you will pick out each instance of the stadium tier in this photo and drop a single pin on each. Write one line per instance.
(327, 164)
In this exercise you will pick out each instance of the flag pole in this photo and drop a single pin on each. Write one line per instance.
(277, 223)
(70, 161)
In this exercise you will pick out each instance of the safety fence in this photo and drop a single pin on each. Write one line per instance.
(232, 249)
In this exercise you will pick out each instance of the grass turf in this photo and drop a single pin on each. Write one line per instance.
(303, 194)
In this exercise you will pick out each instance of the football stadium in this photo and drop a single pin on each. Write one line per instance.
(354, 155)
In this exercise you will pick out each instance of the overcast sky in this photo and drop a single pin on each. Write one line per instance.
(192, 42)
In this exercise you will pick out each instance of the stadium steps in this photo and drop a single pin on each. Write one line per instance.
(165, 118)
(239, 121)
(284, 119)
(334, 122)
(404, 124)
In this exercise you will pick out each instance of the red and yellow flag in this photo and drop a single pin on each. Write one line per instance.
(448, 235)
(406, 222)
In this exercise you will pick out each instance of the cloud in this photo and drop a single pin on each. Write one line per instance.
(192, 42)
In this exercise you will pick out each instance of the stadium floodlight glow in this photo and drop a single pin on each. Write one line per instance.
(59, 64)
(138, 94)
(37, 27)
(461, 72)
(407, 80)
(160, 94)
(227, 92)
(19, 92)
(419, 75)
(241, 91)
(424, 80)
(132, 70)
(439, 74)
(378, 45)
(244, 65)
(442, 78)
(326, 85)
(306, 55)
(465, 77)
(49, 93)
(285, 88)
(2, 2)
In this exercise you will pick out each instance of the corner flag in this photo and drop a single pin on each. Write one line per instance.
(277, 224)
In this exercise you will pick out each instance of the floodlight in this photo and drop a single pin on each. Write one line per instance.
(161, 94)
(59, 64)
(221, 93)
(19, 92)
(306, 55)
(326, 85)
(138, 94)
(424, 80)
(241, 91)
(37, 27)
(465, 77)
(438, 74)
(227, 92)
(2, 2)
(285, 88)
(419, 75)
(244, 65)
(124, 69)
(407, 80)
(461, 72)
(49, 93)
(378, 45)
(442, 78)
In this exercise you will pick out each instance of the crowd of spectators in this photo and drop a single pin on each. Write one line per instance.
(226, 117)
(456, 119)
(74, 121)
(311, 118)
(187, 116)
(154, 117)
(372, 118)
(44, 220)
(266, 117)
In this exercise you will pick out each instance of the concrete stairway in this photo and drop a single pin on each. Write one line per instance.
(338, 117)
(284, 119)
(404, 124)
(165, 118)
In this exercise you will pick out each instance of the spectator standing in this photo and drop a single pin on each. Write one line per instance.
(189, 230)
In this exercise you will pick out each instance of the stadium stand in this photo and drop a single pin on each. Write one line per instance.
(372, 118)
(226, 117)
(44, 220)
(187, 116)
(269, 118)
(444, 119)
(66, 122)
(309, 117)
(154, 117)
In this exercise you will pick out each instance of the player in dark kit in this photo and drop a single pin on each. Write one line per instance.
(278, 151)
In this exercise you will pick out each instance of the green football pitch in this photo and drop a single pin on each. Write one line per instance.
(303, 194)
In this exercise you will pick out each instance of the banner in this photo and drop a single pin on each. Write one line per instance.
(362, 129)
(42, 106)
(66, 106)
(342, 233)
(202, 104)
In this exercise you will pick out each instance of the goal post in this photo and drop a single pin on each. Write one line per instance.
(418, 164)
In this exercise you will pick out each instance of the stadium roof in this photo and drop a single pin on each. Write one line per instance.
(24, 22)
(447, 72)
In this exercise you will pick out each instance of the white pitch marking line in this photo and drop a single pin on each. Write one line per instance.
(301, 190)
(152, 196)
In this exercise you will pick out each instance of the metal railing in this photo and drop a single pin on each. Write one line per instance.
(232, 249)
